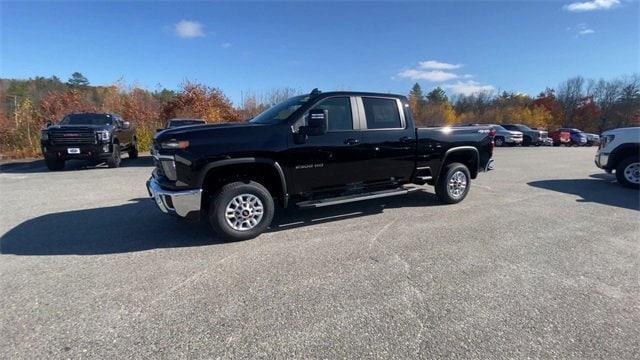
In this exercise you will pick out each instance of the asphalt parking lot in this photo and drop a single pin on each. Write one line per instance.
(541, 260)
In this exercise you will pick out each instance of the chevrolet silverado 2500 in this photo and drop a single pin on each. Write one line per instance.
(309, 151)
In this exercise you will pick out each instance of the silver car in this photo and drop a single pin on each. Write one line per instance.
(503, 136)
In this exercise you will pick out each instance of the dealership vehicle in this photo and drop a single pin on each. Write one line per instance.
(592, 139)
(97, 137)
(577, 136)
(311, 151)
(529, 136)
(503, 136)
(560, 137)
(174, 123)
(619, 151)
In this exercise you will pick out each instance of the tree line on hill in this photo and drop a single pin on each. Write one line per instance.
(26, 105)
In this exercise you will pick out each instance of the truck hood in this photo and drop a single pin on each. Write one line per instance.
(631, 131)
(188, 131)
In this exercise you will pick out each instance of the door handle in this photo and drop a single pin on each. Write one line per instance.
(405, 139)
(351, 141)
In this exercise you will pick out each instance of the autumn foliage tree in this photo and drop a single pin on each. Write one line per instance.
(201, 101)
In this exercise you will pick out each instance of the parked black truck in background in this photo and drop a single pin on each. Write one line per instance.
(310, 151)
(95, 137)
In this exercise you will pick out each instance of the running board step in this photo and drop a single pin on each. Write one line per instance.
(354, 198)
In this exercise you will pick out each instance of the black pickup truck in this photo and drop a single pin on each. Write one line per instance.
(96, 137)
(310, 151)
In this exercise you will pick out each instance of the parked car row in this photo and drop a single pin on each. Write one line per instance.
(519, 134)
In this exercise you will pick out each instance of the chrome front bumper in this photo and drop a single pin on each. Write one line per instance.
(180, 203)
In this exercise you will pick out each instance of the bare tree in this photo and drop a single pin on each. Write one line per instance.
(570, 94)
(606, 95)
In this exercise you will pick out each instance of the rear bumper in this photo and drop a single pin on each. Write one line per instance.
(181, 203)
(489, 166)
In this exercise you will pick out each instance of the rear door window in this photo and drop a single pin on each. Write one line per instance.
(381, 113)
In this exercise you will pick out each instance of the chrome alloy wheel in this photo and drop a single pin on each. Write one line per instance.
(457, 184)
(244, 212)
(632, 173)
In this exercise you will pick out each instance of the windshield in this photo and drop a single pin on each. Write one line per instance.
(281, 111)
(87, 119)
(498, 128)
(524, 127)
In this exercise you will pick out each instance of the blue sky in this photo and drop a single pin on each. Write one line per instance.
(379, 46)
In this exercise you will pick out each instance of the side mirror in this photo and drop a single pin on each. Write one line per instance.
(126, 125)
(316, 123)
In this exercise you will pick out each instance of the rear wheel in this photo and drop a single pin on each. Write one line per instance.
(499, 141)
(241, 210)
(54, 164)
(453, 184)
(628, 172)
(114, 160)
(526, 141)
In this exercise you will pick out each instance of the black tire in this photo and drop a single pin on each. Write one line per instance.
(54, 164)
(526, 141)
(624, 170)
(222, 199)
(443, 191)
(556, 144)
(499, 141)
(133, 152)
(114, 160)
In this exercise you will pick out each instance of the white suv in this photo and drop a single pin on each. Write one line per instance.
(620, 151)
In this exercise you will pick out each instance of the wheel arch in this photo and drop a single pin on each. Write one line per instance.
(621, 152)
(467, 155)
(264, 170)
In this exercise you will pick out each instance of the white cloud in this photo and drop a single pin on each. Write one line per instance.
(580, 30)
(586, 32)
(189, 29)
(468, 87)
(429, 75)
(437, 65)
(592, 5)
(225, 45)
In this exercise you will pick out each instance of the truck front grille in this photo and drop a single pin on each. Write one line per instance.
(72, 137)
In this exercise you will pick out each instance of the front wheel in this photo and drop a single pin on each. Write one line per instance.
(241, 210)
(628, 172)
(453, 184)
(114, 160)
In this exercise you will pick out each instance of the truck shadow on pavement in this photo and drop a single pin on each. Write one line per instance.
(600, 188)
(37, 165)
(139, 226)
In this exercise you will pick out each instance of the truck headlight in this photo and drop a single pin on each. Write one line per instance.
(175, 144)
(44, 135)
(103, 135)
